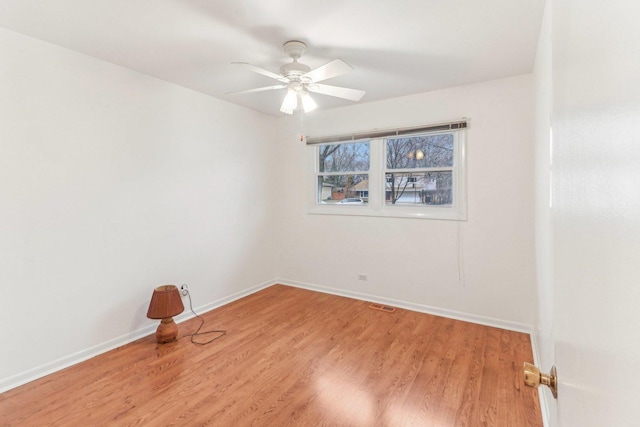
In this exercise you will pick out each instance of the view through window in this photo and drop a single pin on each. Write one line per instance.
(343, 173)
(415, 175)
(419, 170)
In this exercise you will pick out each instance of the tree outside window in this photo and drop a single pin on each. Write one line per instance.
(419, 170)
(342, 168)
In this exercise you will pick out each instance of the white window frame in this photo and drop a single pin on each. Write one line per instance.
(377, 206)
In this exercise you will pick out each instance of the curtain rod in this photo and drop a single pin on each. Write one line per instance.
(461, 124)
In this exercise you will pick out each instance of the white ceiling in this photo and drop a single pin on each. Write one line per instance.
(397, 47)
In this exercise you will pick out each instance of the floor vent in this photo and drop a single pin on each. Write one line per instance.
(381, 307)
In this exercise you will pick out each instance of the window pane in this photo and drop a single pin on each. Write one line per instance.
(418, 189)
(343, 189)
(424, 151)
(352, 157)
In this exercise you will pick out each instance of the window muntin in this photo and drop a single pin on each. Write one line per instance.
(342, 173)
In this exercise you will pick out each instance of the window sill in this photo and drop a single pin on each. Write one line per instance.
(437, 213)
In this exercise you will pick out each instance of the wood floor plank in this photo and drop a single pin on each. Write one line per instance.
(293, 357)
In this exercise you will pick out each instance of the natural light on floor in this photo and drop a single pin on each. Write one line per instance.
(339, 397)
(355, 406)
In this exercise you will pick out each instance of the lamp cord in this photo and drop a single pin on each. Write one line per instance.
(197, 333)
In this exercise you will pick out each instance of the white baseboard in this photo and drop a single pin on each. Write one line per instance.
(421, 308)
(81, 356)
(72, 359)
(225, 300)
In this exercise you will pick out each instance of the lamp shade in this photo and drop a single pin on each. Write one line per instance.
(165, 302)
(308, 104)
(290, 102)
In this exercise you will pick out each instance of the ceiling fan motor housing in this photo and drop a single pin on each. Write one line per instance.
(295, 49)
(294, 70)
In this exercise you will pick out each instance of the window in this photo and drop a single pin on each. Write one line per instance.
(343, 173)
(417, 173)
(419, 170)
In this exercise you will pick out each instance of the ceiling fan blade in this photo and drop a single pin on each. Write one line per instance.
(339, 92)
(260, 89)
(262, 71)
(329, 70)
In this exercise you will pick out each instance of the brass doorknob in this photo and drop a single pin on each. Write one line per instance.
(533, 378)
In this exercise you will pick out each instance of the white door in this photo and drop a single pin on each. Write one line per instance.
(596, 211)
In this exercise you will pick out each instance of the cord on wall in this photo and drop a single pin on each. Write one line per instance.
(460, 257)
(220, 333)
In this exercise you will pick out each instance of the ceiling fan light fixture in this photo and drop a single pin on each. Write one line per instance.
(290, 102)
(308, 104)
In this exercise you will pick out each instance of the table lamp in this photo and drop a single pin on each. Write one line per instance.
(166, 302)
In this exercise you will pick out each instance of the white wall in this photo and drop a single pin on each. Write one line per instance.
(112, 183)
(417, 261)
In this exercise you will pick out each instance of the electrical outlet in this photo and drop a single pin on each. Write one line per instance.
(184, 289)
(363, 277)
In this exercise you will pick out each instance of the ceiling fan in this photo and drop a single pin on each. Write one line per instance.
(299, 79)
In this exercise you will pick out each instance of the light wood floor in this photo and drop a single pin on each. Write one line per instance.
(293, 357)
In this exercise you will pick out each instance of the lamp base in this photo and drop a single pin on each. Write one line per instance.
(167, 331)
